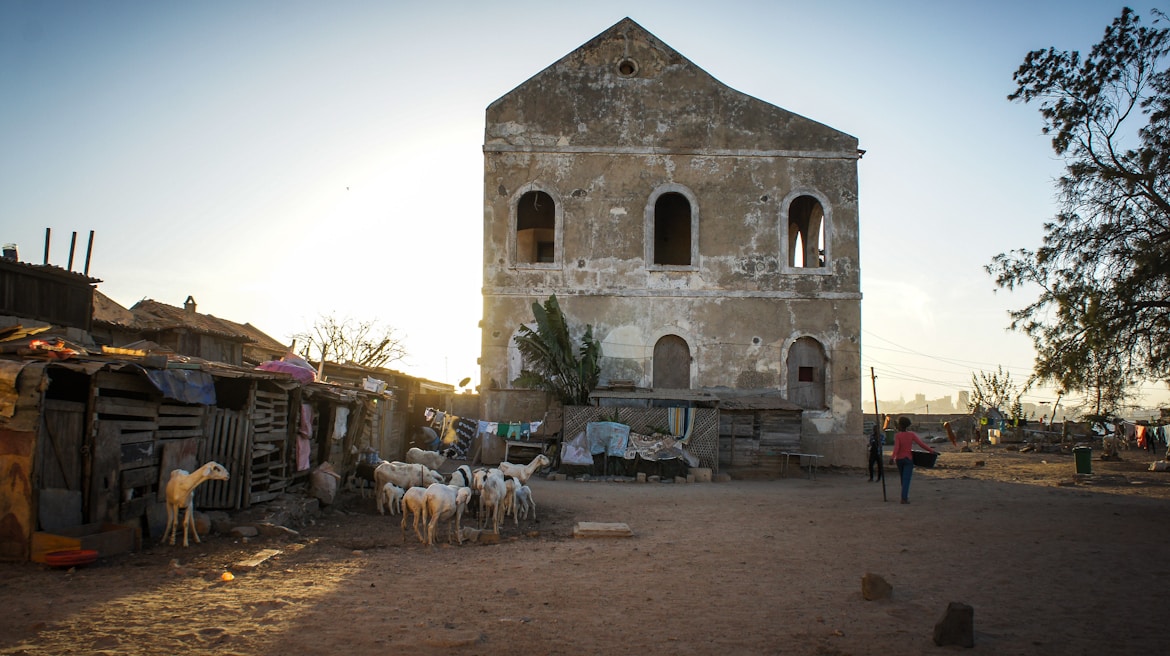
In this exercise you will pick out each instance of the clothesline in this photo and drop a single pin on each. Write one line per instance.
(457, 433)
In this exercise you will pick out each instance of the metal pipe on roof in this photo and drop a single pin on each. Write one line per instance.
(48, 231)
(72, 247)
(88, 252)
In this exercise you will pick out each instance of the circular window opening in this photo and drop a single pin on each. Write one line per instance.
(627, 68)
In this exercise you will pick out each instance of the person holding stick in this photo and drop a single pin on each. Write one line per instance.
(904, 439)
(876, 440)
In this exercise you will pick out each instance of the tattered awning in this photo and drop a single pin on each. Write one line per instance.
(184, 385)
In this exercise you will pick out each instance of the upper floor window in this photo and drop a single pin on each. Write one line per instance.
(672, 227)
(536, 228)
(806, 233)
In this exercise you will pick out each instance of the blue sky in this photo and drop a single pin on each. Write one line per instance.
(282, 160)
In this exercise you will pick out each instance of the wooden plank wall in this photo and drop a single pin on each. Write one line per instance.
(125, 454)
(754, 438)
(738, 440)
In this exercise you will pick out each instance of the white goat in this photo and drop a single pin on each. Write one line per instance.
(511, 485)
(491, 498)
(390, 496)
(525, 502)
(432, 459)
(461, 476)
(405, 475)
(414, 501)
(525, 472)
(181, 494)
(445, 502)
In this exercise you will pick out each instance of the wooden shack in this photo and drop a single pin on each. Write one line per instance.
(92, 440)
(755, 429)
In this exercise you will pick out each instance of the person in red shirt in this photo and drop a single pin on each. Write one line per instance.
(904, 439)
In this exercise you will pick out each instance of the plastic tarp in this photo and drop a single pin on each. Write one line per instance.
(576, 451)
(607, 437)
(299, 372)
(186, 385)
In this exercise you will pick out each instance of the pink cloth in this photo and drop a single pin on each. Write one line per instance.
(903, 441)
(301, 374)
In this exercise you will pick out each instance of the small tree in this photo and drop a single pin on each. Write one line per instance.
(995, 396)
(551, 362)
(363, 343)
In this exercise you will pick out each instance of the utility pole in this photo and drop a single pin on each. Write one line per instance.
(877, 418)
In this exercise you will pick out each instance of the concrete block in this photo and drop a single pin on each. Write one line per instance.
(701, 474)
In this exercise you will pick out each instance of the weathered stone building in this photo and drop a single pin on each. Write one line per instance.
(709, 237)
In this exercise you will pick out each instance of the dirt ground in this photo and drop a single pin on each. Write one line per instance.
(1050, 564)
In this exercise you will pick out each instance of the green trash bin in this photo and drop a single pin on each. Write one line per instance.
(1083, 456)
(890, 432)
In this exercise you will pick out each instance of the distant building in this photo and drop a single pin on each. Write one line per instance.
(710, 238)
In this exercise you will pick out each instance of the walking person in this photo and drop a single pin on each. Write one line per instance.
(876, 440)
(904, 439)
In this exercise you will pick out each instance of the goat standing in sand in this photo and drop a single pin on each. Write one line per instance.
(181, 494)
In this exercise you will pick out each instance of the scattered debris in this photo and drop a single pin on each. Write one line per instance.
(255, 561)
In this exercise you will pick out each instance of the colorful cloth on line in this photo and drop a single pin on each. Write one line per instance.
(465, 431)
(447, 436)
(681, 422)
(516, 430)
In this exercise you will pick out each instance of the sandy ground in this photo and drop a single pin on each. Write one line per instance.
(1050, 564)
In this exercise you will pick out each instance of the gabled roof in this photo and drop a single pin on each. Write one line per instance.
(106, 310)
(154, 316)
(625, 88)
(260, 339)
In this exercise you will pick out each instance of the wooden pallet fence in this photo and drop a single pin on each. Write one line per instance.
(126, 454)
(269, 471)
(225, 443)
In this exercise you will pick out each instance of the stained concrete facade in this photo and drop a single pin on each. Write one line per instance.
(710, 238)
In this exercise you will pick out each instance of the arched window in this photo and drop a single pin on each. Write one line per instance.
(536, 228)
(806, 374)
(672, 363)
(515, 359)
(672, 227)
(806, 233)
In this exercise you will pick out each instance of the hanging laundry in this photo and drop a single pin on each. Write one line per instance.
(514, 431)
(681, 422)
(465, 430)
(340, 423)
(449, 438)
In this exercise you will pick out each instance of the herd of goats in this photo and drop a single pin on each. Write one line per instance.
(416, 488)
